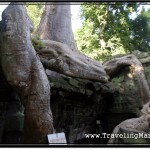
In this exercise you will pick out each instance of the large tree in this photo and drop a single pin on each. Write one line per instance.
(25, 73)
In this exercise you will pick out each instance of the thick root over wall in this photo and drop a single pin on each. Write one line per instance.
(25, 73)
(142, 123)
(113, 66)
(59, 57)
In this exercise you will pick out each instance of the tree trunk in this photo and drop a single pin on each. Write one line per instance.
(113, 66)
(55, 24)
(25, 73)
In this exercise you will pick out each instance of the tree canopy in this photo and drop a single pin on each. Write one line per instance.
(109, 30)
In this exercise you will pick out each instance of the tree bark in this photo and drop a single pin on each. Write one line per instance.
(55, 24)
(58, 57)
(25, 73)
(114, 65)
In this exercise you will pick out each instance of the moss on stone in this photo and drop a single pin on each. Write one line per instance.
(37, 44)
(127, 87)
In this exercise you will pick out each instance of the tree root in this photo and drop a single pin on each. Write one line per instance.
(25, 73)
(60, 58)
(114, 65)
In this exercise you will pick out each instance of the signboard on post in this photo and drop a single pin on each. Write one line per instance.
(57, 139)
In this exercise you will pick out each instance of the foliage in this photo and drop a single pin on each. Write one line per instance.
(108, 29)
(141, 31)
(37, 43)
(35, 10)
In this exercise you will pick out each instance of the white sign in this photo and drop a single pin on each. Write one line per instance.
(57, 138)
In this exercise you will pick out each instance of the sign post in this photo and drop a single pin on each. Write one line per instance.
(57, 139)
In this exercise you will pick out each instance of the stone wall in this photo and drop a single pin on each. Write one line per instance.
(77, 106)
